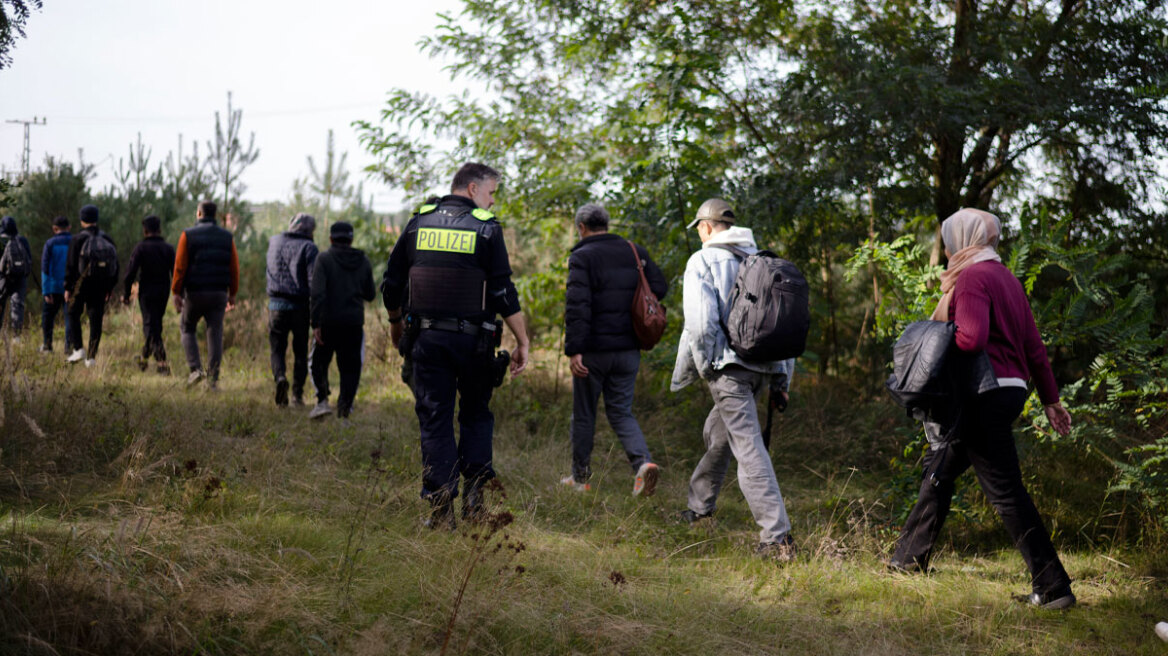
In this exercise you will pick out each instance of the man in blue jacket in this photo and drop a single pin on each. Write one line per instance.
(53, 258)
(14, 284)
(291, 257)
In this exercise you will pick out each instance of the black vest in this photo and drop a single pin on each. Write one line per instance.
(208, 257)
(449, 263)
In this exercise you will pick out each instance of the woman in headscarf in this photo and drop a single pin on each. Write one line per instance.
(991, 312)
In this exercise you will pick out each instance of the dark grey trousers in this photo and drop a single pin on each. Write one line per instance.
(614, 374)
(208, 306)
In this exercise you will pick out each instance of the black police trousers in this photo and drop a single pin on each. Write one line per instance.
(986, 441)
(446, 364)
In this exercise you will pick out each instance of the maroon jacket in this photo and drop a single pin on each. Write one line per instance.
(992, 312)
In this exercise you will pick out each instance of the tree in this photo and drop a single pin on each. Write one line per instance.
(13, 16)
(330, 182)
(58, 189)
(228, 158)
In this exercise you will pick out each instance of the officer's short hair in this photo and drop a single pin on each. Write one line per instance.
(152, 224)
(208, 209)
(472, 172)
(592, 216)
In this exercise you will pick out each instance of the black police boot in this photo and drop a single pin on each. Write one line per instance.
(441, 515)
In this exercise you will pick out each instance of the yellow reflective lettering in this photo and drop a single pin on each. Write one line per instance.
(446, 240)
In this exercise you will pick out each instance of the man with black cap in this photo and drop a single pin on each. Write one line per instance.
(206, 279)
(342, 282)
(54, 257)
(448, 277)
(15, 267)
(732, 428)
(291, 259)
(154, 259)
(91, 273)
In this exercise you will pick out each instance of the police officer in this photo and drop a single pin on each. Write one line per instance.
(447, 278)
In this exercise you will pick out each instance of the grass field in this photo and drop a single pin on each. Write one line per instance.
(140, 517)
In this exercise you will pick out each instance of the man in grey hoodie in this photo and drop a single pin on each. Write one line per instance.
(732, 427)
(291, 260)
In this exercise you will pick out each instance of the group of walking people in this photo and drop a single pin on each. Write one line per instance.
(448, 279)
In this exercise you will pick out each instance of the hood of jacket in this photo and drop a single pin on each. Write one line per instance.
(8, 225)
(738, 237)
(348, 257)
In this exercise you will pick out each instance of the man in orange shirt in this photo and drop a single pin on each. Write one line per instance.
(206, 280)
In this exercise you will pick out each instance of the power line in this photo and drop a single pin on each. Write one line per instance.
(275, 113)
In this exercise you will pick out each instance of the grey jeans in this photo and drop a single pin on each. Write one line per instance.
(209, 306)
(732, 428)
(613, 373)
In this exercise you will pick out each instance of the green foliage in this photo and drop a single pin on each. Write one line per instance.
(13, 16)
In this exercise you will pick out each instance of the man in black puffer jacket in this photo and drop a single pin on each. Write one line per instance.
(291, 259)
(601, 345)
(342, 281)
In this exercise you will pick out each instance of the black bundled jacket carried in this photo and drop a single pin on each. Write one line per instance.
(602, 277)
(342, 281)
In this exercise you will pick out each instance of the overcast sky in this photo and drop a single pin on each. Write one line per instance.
(101, 72)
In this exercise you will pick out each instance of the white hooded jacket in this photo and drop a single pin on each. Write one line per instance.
(709, 278)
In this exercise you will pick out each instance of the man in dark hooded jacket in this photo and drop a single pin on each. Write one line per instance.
(14, 283)
(342, 281)
(291, 259)
(152, 263)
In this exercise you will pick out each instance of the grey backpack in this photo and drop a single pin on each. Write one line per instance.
(770, 313)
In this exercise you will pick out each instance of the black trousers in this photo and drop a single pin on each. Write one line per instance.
(49, 312)
(153, 307)
(446, 364)
(91, 303)
(985, 441)
(345, 342)
(281, 323)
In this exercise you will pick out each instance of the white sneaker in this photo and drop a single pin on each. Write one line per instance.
(76, 356)
(89, 362)
(569, 481)
(321, 409)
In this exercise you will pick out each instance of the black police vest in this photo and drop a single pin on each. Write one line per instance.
(208, 258)
(448, 278)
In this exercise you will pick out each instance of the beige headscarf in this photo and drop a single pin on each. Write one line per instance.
(970, 236)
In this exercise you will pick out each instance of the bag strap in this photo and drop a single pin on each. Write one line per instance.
(637, 257)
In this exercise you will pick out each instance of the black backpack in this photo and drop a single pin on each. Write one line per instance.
(16, 262)
(769, 309)
(99, 259)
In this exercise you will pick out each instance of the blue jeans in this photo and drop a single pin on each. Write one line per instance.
(49, 312)
(16, 317)
(614, 374)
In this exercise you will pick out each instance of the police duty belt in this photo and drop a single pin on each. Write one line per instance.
(458, 326)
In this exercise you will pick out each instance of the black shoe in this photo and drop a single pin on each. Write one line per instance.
(692, 517)
(143, 363)
(441, 517)
(1060, 600)
(783, 551)
(282, 392)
